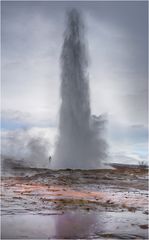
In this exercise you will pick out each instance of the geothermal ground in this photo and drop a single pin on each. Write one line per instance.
(75, 204)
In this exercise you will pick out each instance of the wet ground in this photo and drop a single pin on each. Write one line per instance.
(75, 204)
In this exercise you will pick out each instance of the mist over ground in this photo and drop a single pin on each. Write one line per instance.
(26, 148)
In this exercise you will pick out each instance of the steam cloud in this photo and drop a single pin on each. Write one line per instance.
(80, 143)
(24, 148)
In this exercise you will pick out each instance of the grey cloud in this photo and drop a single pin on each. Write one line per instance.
(127, 158)
(127, 134)
(17, 116)
(136, 106)
(26, 119)
(21, 21)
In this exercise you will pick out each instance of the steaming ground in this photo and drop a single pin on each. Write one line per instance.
(16, 149)
(27, 147)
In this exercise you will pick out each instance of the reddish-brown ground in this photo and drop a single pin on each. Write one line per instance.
(65, 193)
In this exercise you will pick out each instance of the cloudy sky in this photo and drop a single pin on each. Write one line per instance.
(117, 38)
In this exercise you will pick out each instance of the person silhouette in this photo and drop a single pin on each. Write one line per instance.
(50, 158)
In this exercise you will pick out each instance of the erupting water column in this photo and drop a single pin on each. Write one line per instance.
(80, 144)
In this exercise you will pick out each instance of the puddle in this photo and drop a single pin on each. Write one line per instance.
(75, 225)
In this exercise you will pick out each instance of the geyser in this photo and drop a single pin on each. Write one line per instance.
(80, 144)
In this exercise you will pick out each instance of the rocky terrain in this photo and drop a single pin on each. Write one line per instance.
(75, 204)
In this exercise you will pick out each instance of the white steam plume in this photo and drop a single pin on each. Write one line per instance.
(80, 143)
